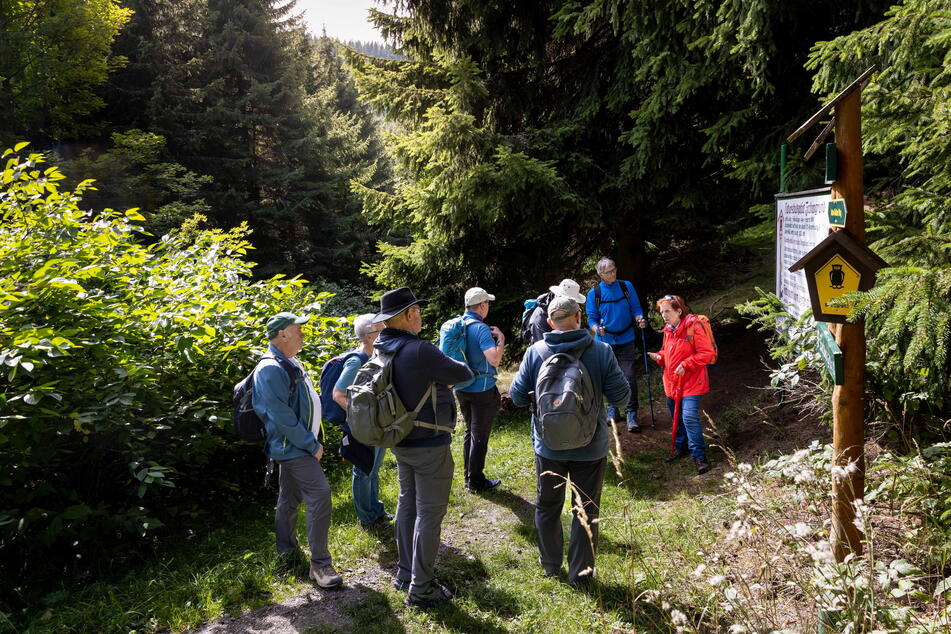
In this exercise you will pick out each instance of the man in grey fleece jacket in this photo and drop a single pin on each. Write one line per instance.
(585, 465)
(423, 460)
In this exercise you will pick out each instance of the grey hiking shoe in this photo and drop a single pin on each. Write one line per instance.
(325, 576)
(431, 597)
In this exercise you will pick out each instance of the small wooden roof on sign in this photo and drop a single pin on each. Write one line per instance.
(861, 254)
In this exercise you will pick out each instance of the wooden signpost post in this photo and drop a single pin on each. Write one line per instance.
(848, 399)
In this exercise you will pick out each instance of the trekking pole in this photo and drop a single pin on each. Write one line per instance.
(647, 375)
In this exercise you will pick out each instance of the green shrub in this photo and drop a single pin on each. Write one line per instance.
(118, 361)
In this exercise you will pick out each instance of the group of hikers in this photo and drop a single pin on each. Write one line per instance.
(395, 390)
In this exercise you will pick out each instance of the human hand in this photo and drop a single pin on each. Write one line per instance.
(680, 370)
(320, 453)
(641, 322)
(495, 332)
(654, 356)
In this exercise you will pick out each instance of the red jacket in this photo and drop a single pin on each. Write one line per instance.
(687, 344)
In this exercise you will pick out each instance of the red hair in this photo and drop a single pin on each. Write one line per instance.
(676, 302)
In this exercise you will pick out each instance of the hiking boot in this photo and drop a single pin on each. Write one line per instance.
(325, 576)
(702, 465)
(432, 597)
(488, 486)
(677, 455)
(632, 426)
(293, 562)
(612, 415)
(402, 586)
(381, 523)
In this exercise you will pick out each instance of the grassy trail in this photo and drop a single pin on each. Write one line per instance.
(489, 559)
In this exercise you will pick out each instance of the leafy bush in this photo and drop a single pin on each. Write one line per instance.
(118, 363)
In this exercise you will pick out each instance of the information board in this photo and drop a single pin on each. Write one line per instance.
(802, 222)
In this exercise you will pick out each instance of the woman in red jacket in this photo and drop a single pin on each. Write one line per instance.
(684, 356)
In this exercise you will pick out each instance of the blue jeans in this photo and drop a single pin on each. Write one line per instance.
(689, 429)
(366, 490)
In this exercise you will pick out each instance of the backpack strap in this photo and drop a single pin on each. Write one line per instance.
(293, 372)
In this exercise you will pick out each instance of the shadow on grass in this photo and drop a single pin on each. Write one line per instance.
(371, 615)
(625, 601)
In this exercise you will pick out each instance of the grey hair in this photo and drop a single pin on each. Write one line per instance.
(604, 263)
(363, 325)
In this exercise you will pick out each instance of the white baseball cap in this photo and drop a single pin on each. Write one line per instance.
(568, 288)
(476, 295)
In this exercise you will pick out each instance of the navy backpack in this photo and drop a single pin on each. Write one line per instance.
(329, 376)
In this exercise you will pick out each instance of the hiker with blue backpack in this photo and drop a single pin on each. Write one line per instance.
(564, 379)
(408, 369)
(288, 406)
(613, 312)
(335, 378)
(481, 347)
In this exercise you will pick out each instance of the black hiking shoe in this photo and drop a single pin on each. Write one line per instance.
(702, 465)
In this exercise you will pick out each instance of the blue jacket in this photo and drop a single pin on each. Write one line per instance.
(606, 377)
(287, 418)
(615, 313)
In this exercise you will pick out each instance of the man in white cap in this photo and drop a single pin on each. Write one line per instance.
(538, 322)
(480, 400)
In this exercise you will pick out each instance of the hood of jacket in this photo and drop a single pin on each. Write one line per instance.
(568, 340)
(392, 339)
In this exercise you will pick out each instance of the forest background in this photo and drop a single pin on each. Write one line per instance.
(500, 144)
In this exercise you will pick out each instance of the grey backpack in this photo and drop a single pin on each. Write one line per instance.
(566, 411)
(375, 414)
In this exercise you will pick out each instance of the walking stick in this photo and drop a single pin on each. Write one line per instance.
(647, 375)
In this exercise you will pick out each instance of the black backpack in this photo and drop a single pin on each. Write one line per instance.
(531, 305)
(565, 408)
(247, 425)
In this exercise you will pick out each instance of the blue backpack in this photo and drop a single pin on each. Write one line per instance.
(329, 376)
(452, 342)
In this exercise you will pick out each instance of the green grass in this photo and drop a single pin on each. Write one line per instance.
(650, 534)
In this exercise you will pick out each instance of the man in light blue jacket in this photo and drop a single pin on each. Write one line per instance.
(290, 409)
(585, 465)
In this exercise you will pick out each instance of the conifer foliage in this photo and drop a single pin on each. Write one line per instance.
(906, 128)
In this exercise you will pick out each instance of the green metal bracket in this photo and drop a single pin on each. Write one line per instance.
(832, 163)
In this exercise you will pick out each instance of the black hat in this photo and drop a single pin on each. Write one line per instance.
(396, 301)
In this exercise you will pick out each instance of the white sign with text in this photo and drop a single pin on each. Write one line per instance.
(802, 222)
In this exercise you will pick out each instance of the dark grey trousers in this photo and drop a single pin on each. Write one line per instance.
(425, 476)
(478, 410)
(588, 477)
(302, 479)
(626, 355)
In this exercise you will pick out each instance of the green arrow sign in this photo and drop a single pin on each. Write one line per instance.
(830, 352)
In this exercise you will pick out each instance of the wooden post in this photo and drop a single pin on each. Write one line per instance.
(848, 400)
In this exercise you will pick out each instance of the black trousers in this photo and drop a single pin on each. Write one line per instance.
(588, 478)
(478, 410)
(626, 355)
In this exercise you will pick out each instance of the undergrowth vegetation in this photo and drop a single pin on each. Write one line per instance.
(772, 568)
(118, 360)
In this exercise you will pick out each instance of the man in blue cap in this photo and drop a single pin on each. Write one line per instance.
(290, 409)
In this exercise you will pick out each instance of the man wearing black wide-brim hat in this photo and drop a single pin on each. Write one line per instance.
(423, 459)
